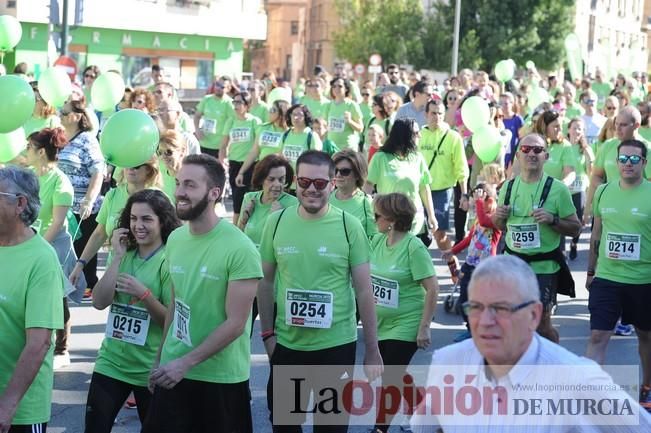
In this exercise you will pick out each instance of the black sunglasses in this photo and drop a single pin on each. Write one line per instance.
(343, 171)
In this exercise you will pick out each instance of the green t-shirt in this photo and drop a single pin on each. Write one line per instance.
(112, 206)
(360, 205)
(558, 158)
(168, 182)
(367, 112)
(391, 173)
(625, 248)
(216, 113)
(603, 91)
(31, 296)
(395, 275)
(269, 138)
(523, 234)
(35, 124)
(261, 111)
(241, 134)
(255, 223)
(55, 189)
(293, 144)
(313, 258)
(201, 267)
(450, 166)
(645, 133)
(339, 131)
(574, 111)
(606, 159)
(580, 163)
(318, 108)
(119, 358)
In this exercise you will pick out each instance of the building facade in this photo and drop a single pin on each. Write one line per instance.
(193, 40)
(613, 35)
(322, 23)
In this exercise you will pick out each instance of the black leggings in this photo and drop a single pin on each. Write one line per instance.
(398, 353)
(105, 399)
(86, 228)
(460, 216)
(239, 191)
(578, 199)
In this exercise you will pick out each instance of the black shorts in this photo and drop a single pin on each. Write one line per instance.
(238, 191)
(548, 284)
(194, 406)
(29, 428)
(608, 300)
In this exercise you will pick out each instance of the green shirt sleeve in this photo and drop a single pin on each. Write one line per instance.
(266, 242)
(375, 169)
(459, 159)
(426, 177)
(357, 112)
(597, 197)
(420, 261)
(201, 105)
(369, 224)
(43, 302)
(566, 206)
(359, 246)
(244, 263)
(63, 193)
(102, 215)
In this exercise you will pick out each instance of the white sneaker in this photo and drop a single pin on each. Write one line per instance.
(61, 360)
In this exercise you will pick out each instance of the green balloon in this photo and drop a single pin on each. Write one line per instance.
(475, 113)
(16, 103)
(487, 142)
(530, 64)
(537, 96)
(12, 144)
(10, 32)
(504, 70)
(107, 91)
(129, 138)
(54, 86)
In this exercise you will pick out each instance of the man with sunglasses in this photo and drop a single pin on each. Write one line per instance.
(165, 92)
(415, 108)
(213, 113)
(311, 253)
(170, 112)
(393, 71)
(605, 167)
(592, 118)
(619, 265)
(314, 99)
(30, 306)
(535, 224)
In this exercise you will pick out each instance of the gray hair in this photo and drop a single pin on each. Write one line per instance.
(506, 268)
(23, 182)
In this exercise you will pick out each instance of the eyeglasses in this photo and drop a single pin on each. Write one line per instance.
(501, 311)
(536, 149)
(337, 86)
(236, 102)
(343, 171)
(393, 72)
(273, 110)
(10, 194)
(158, 92)
(166, 152)
(219, 85)
(90, 76)
(635, 159)
(609, 107)
(319, 184)
(312, 85)
(589, 101)
(64, 112)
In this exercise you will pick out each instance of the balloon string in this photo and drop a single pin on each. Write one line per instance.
(2, 56)
(73, 239)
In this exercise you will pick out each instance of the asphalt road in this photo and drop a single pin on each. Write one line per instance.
(71, 383)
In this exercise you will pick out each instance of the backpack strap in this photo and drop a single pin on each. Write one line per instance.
(545, 192)
(429, 167)
(273, 237)
(285, 134)
(509, 188)
(601, 193)
(343, 217)
(309, 139)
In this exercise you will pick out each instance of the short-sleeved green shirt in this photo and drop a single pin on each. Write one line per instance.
(391, 173)
(35, 124)
(360, 205)
(558, 158)
(261, 111)
(293, 144)
(318, 108)
(580, 163)
(261, 212)
(55, 189)
(128, 362)
(523, 234)
(313, 258)
(603, 91)
(270, 138)
(216, 112)
(112, 206)
(625, 248)
(395, 274)
(606, 159)
(241, 134)
(450, 166)
(339, 131)
(31, 296)
(201, 267)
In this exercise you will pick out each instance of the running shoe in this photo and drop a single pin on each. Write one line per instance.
(573, 252)
(624, 330)
(131, 403)
(88, 293)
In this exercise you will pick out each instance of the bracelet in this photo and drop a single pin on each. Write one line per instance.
(83, 262)
(267, 333)
(145, 295)
(591, 272)
(266, 337)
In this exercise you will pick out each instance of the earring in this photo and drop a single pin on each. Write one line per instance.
(390, 228)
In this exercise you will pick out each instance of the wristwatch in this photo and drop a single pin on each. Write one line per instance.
(556, 220)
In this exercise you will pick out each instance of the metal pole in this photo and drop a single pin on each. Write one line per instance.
(455, 43)
(64, 29)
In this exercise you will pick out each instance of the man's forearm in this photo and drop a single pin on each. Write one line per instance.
(265, 304)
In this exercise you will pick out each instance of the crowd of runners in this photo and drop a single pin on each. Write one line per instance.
(342, 191)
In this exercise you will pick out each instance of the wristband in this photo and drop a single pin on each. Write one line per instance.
(83, 263)
(556, 220)
(591, 272)
(267, 333)
(145, 295)
(266, 337)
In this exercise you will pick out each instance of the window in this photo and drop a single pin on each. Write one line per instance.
(293, 28)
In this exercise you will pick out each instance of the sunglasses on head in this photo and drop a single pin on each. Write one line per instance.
(527, 149)
(319, 184)
(343, 171)
(635, 159)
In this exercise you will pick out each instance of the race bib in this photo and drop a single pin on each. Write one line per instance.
(623, 246)
(578, 185)
(182, 322)
(240, 135)
(270, 139)
(336, 124)
(128, 324)
(209, 126)
(292, 152)
(385, 292)
(525, 236)
(308, 308)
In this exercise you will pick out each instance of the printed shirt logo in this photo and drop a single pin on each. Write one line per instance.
(203, 273)
(286, 250)
(176, 269)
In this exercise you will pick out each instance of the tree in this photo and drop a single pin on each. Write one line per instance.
(492, 30)
(394, 30)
